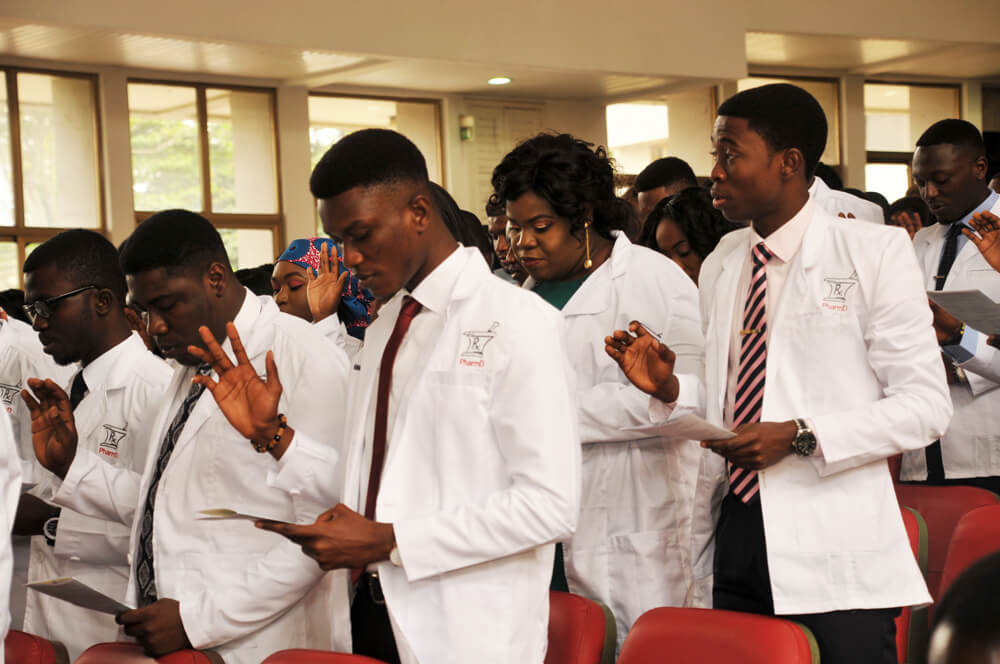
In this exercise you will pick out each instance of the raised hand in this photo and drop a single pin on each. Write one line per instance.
(323, 291)
(987, 225)
(249, 403)
(911, 222)
(53, 429)
(646, 362)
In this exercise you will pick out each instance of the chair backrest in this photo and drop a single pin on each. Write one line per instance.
(24, 648)
(911, 625)
(708, 636)
(977, 535)
(131, 653)
(941, 507)
(303, 656)
(577, 630)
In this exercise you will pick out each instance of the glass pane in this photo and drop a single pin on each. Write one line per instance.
(331, 118)
(241, 151)
(166, 162)
(678, 124)
(10, 269)
(896, 115)
(825, 93)
(890, 180)
(6, 171)
(248, 247)
(58, 151)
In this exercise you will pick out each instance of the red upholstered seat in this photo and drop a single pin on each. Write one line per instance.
(976, 535)
(911, 625)
(131, 653)
(941, 507)
(708, 636)
(302, 656)
(24, 648)
(576, 630)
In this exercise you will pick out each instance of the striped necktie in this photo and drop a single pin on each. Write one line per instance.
(753, 365)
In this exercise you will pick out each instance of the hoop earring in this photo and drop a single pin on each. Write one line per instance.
(587, 264)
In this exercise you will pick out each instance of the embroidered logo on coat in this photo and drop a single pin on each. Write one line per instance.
(112, 437)
(837, 290)
(477, 341)
(8, 393)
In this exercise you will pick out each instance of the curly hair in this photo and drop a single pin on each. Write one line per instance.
(692, 210)
(572, 176)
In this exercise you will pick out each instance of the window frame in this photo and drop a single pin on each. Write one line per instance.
(271, 221)
(21, 234)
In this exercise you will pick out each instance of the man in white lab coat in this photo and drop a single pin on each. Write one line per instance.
(21, 357)
(10, 488)
(208, 584)
(949, 167)
(75, 294)
(820, 352)
(463, 461)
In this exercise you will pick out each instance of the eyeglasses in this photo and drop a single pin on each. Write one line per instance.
(43, 308)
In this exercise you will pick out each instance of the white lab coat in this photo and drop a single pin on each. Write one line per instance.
(113, 423)
(971, 445)
(632, 544)
(244, 592)
(22, 357)
(10, 490)
(844, 205)
(851, 349)
(481, 476)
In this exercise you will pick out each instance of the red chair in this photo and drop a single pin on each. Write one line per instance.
(709, 636)
(911, 625)
(131, 653)
(941, 507)
(977, 535)
(303, 656)
(24, 648)
(578, 630)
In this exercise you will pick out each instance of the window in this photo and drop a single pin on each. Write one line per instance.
(677, 125)
(895, 116)
(826, 93)
(49, 162)
(210, 149)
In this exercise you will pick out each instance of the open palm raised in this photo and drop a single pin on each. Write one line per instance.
(53, 429)
(987, 225)
(646, 362)
(249, 403)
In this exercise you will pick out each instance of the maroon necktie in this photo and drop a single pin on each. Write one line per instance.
(407, 313)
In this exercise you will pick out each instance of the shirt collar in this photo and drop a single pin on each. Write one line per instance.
(434, 291)
(785, 242)
(988, 203)
(95, 374)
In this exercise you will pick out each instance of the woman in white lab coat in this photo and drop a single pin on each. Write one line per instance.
(631, 547)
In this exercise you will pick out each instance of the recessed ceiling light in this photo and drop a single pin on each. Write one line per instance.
(499, 80)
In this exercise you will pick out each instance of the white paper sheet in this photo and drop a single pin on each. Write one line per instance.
(220, 513)
(76, 592)
(685, 427)
(972, 307)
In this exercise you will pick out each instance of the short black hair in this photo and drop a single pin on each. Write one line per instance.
(959, 133)
(570, 174)
(449, 212)
(911, 205)
(692, 210)
(972, 603)
(495, 209)
(257, 279)
(786, 116)
(177, 240)
(829, 176)
(12, 302)
(367, 158)
(663, 173)
(86, 257)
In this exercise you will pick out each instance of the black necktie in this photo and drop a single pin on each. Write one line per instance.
(948, 254)
(78, 390)
(144, 575)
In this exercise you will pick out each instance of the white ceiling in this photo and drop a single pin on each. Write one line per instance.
(874, 57)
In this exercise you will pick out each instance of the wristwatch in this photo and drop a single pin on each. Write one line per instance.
(49, 529)
(804, 443)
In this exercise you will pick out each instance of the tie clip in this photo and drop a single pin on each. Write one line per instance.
(751, 331)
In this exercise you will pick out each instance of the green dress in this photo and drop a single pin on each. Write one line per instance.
(558, 293)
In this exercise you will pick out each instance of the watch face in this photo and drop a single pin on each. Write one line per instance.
(805, 443)
(50, 527)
